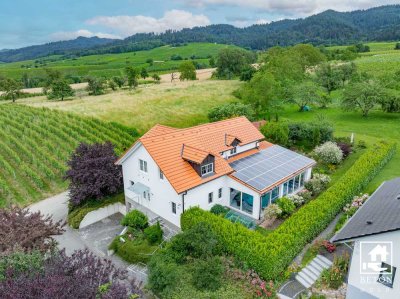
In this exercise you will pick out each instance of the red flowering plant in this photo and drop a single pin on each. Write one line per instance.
(328, 246)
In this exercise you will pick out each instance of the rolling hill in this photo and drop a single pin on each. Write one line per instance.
(328, 28)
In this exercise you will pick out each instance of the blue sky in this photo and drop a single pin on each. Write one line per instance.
(28, 22)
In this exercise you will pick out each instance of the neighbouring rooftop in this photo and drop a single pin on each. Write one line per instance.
(379, 214)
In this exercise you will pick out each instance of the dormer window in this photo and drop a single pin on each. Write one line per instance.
(206, 169)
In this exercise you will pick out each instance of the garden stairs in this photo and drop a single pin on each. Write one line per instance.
(309, 275)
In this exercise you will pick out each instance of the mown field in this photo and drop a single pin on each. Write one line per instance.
(180, 104)
(382, 59)
(35, 145)
(109, 65)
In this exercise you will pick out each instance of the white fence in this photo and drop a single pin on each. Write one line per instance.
(97, 215)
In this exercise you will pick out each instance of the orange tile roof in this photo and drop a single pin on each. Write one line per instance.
(192, 154)
(229, 139)
(164, 145)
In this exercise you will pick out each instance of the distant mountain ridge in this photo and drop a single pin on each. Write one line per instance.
(328, 28)
(53, 48)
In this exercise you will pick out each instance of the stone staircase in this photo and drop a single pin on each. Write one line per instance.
(309, 275)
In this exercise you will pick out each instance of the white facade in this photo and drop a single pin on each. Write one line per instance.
(366, 286)
(160, 197)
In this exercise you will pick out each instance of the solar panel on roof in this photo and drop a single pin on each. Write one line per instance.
(269, 166)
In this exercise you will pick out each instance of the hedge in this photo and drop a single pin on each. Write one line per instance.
(271, 255)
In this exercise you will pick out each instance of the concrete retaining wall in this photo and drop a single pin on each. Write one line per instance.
(94, 216)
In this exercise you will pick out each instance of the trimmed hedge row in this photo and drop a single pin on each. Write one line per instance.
(271, 255)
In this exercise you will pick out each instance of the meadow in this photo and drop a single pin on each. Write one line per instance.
(382, 59)
(108, 65)
(179, 104)
(35, 145)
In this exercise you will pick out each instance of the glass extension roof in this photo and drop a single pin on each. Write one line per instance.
(269, 166)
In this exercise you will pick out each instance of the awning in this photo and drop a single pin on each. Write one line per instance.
(139, 188)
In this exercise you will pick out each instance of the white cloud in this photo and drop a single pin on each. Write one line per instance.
(262, 21)
(172, 19)
(294, 7)
(68, 35)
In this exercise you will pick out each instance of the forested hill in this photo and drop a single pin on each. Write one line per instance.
(329, 28)
(62, 47)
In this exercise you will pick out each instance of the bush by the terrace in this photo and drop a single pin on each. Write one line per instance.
(286, 205)
(230, 110)
(345, 148)
(207, 274)
(285, 243)
(219, 210)
(164, 274)
(297, 199)
(154, 233)
(310, 134)
(135, 219)
(305, 194)
(272, 211)
(92, 173)
(82, 275)
(21, 229)
(318, 183)
(329, 153)
(276, 132)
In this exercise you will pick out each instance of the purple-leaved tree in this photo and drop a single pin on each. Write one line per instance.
(82, 275)
(92, 172)
(25, 231)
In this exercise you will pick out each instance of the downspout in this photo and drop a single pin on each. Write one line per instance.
(183, 201)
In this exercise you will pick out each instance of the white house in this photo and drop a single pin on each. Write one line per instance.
(169, 170)
(374, 232)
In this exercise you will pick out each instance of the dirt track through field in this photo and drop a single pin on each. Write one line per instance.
(203, 74)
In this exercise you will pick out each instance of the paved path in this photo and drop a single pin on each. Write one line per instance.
(57, 207)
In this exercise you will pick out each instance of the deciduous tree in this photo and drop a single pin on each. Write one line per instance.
(329, 77)
(92, 173)
(60, 89)
(187, 71)
(21, 229)
(143, 73)
(95, 86)
(133, 76)
(305, 93)
(12, 88)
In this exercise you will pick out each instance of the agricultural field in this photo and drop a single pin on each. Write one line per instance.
(382, 59)
(179, 104)
(108, 65)
(35, 145)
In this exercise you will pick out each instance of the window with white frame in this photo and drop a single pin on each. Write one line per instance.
(161, 175)
(173, 206)
(219, 192)
(143, 165)
(233, 150)
(210, 197)
(206, 169)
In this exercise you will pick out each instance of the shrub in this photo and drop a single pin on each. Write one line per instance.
(285, 243)
(305, 194)
(219, 210)
(207, 274)
(276, 132)
(297, 199)
(317, 183)
(197, 242)
(329, 153)
(135, 219)
(230, 110)
(154, 233)
(287, 206)
(345, 148)
(164, 274)
(334, 277)
(310, 133)
(133, 251)
(272, 211)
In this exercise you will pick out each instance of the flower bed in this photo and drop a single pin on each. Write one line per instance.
(271, 255)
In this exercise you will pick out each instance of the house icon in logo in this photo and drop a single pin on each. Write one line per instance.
(379, 251)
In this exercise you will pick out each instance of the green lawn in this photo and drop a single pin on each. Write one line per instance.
(113, 64)
(377, 126)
